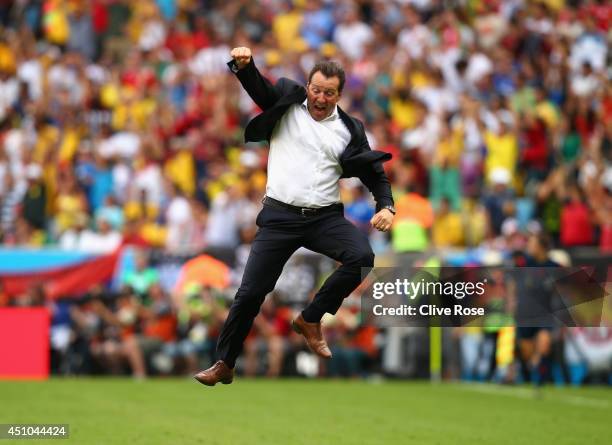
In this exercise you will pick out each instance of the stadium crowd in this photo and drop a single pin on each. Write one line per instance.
(121, 125)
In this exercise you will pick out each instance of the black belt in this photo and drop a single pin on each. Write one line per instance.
(303, 211)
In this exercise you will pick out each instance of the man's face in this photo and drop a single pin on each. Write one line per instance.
(323, 95)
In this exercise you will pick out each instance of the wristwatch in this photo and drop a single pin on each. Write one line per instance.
(390, 208)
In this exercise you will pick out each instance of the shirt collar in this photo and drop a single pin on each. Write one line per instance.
(333, 116)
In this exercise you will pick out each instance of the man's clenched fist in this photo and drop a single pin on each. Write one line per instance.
(382, 221)
(242, 56)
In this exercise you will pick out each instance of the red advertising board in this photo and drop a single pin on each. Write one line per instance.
(24, 343)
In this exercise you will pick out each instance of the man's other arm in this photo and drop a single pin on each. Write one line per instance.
(373, 176)
(378, 183)
(261, 90)
(375, 179)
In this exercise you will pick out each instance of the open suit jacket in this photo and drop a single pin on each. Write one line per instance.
(357, 160)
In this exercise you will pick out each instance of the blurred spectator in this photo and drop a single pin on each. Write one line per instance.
(111, 212)
(82, 39)
(34, 205)
(352, 345)
(100, 239)
(142, 277)
(360, 210)
(158, 329)
(444, 171)
(271, 328)
(576, 228)
(70, 203)
(200, 318)
(499, 200)
(222, 230)
(351, 34)
(414, 217)
(317, 23)
(447, 229)
(501, 146)
(179, 220)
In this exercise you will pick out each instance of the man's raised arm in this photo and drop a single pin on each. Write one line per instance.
(263, 93)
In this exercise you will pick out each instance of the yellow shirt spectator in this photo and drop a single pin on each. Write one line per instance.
(133, 111)
(449, 149)
(286, 29)
(403, 113)
(419, 79)
(69, 144)
(136, 210)
(555, 5)
(70, 211)
(447, 230)
(55, 22)
(548, 113)
(154, 233)
(502, 152)
(476, 223)
(47, 138)
(7, 59)
(181, 171)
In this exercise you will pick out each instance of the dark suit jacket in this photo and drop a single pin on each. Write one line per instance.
(357, 160)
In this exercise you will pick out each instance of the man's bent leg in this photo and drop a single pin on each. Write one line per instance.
(337, 238)
(270, 251)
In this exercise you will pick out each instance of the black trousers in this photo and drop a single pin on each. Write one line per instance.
(280, 234)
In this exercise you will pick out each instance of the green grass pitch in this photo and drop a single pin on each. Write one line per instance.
(292, 412)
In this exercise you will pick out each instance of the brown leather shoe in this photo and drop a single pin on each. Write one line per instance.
(219, 372)
(313, 335)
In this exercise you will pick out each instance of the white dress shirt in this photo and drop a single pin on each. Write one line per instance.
(304, 161)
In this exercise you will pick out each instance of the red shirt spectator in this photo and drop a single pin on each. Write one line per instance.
(535, 152)
(600, 12)
(99, 16)
(576, 227)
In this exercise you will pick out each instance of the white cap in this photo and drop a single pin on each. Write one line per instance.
(249, 159)
(500, 175)
(560, 257)
(33, 171)
(506, 118)
(492, 258)
(509, 227)
(413, 139)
